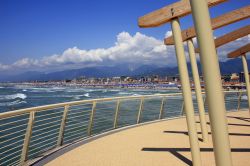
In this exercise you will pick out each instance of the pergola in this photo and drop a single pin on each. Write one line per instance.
(203, 28)
(242, 51)
(171, 14)
(218, 22)
(167, 13)
(232, 36)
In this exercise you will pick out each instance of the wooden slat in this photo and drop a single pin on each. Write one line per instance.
(234, 35)
(217, 22)
(165, 14)
(239, 52)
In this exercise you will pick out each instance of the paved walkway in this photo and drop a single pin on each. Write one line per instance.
(161, 143)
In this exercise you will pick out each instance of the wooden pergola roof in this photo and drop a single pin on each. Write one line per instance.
(234, 35)
(217, 22)
(239, 52)
(165, 14)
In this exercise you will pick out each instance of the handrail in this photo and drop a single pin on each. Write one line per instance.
(58, 105)
(52, 106)
(31, 129)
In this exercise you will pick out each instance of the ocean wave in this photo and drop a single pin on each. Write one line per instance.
(244, 97)
(77, 97)
(24, 90)
(104, 91)
(14, 96)
(62, 96)
(73, 90)
(39, 90)
(114, 90)
(125, 93)
(76, 90)
(86, 95)
(16, 102)
(58, 88)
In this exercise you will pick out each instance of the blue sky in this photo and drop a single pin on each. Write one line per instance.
(36, 29)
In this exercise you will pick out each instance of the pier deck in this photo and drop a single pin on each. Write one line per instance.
(160, 143)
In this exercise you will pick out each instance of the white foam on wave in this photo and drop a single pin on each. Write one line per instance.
(16, 102)
(244, 97)
(86, 95)
(124, 93)
(77, 97)
(14, 96)
(104, 91)
(91, 90)
(24, 90)
(158, 94)
(115, 90)
(58, 88)
(73, 90)
(39, 90)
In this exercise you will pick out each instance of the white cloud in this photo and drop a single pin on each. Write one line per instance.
(224, 50)
(168, 34)
(137, 49)
(4, 67)
(140, 49)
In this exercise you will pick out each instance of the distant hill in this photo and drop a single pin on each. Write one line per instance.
(230, 66)
(227, 67)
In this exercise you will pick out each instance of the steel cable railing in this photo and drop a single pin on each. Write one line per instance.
(28, 133)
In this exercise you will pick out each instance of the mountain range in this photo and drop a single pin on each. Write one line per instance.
(230, 66)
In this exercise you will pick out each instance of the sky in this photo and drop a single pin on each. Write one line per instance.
(52, 35)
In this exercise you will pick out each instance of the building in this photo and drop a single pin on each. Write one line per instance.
(234, 78)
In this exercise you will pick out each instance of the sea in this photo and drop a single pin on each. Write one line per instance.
(47, 123)
(14, 97)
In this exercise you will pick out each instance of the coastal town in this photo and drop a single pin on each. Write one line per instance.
(230, 81)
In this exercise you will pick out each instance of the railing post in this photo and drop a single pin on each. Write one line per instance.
(245, 67)
(205, 101)
(239, 100)
(27, 138)
(162, 107)
(212, 77)
(140, 110)
(183, 108)
(91, 119)
(116, 113)
(62, 127)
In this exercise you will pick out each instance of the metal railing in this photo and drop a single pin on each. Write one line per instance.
(28, 133)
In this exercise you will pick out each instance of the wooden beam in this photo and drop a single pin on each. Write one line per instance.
(239, 52)
(217, 22)
(165, 14)
(234, 35)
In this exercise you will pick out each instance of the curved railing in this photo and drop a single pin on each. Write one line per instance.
(27, 134)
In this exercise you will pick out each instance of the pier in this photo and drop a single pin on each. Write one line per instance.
(152, 145)
(209, 127)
